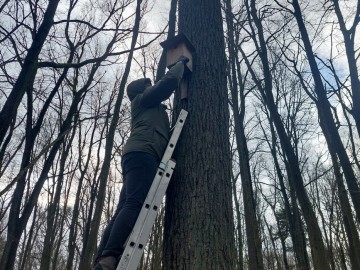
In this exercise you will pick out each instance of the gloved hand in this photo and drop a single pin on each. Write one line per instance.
(183, 59)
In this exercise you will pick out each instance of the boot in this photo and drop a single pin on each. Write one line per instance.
(105, 263)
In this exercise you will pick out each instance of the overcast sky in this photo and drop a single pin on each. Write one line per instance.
(158, 16)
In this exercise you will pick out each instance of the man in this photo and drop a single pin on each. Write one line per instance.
(141, 156)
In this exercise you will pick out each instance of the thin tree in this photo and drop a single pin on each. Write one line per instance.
(17, 222)
(291, 211)
(28, 70)
(238, 95)
(90, 246)
(295, 177)
(326, 119)
(54, 205)
(347, 216)
(349, 43)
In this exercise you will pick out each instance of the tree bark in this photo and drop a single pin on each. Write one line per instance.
(199, 229)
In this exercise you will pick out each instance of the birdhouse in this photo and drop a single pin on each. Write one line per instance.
(176, 47)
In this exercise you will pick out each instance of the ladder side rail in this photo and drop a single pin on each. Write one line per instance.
(174, 138)
(156, 203)
(132, 242)
(148, 201)
(135, 248)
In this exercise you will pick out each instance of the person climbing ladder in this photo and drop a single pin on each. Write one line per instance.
(141, 156)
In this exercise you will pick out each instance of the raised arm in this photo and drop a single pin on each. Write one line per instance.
(163, 89)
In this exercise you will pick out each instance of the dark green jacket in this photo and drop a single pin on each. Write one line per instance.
(149, 120)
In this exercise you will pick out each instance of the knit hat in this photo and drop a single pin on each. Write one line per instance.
(137, 87)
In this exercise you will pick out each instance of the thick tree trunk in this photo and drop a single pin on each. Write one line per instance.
(199, 229)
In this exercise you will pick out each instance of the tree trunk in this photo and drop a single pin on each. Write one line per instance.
(277, 264)
(16, 225)
(199, 229)
(160, 72)
(251, 222)
(240, 245)
(28, 70)
(315, 237)
(291, 209)
(25, 256)
(347, 217)
(349, 42)
(90, 245)
(327, 123)
(53, 209)
(76, 207)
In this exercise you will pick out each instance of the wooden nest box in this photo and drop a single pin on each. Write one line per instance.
(176, 47)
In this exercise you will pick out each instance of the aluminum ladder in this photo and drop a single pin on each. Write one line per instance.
(140, 234)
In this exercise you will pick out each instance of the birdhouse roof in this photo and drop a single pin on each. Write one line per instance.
(175, 41)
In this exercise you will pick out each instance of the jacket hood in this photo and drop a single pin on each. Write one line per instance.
(136, 87)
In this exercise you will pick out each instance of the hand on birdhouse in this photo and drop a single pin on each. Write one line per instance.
(183, 59)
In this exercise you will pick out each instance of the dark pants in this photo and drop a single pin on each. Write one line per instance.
(139, 169)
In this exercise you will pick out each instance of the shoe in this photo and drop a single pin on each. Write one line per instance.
(105, 263)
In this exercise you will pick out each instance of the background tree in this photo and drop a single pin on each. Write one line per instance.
(89, 248)
(238, 95)
(265, 87)
(29, 66)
